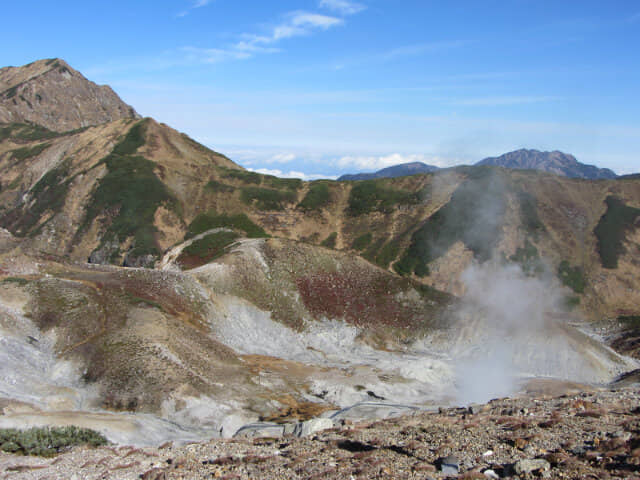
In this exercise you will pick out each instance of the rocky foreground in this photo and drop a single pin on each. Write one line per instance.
(586, 435)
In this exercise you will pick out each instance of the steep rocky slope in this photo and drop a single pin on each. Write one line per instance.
(52, 94)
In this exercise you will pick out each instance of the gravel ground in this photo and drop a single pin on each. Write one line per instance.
(588, 435)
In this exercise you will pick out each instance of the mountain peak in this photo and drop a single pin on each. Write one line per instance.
(50, 93)
(401, 170)
(556, 162)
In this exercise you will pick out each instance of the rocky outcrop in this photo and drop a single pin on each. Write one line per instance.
(553, 162)
(52, 94)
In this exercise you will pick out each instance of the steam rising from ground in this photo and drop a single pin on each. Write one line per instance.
(509, 327)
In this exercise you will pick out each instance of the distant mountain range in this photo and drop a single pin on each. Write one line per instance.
(401, 170)
(555, 162)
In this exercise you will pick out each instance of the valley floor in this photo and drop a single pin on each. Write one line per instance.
(576, 436)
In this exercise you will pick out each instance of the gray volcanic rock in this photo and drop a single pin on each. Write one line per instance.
(402, 170)
(553, 162)
(52, 94)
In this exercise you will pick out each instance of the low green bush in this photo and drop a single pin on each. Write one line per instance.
(361, 242)
(210, 220)
(611, 229)
(267, 198)
(210, 246)
(23, 153)
(572, 277)
(330, 241)
(46, 441)
(244, 176)
(373, 196)
(317, 197)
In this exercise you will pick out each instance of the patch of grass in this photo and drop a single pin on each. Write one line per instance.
(207, 248)
(372, 250)
(528, 258)
(630, 321)
(130, 194)
(49, 194)
(330, 241)
(243, 175)
(572, 302)
(11, 92)
(362, 241)
(133, 140)
(282, 183)
(388, 253)
(611, 229)
(572, 277)
(373, 196)
(529, 214)
(23, 153)
(47, 442)
(218, 187)
(17, 280)
(210, 220)
(474, 215)
(266, 198)
(26, 132)
(316, 198)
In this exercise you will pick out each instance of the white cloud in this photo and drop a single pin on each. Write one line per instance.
(344, 7)
(195, 4)
(379, 162)
(291, 174)
(296, 24)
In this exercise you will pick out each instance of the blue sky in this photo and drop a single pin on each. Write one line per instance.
(324, 87)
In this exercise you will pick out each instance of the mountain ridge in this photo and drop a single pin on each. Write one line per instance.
(400, 170)
(51, 94)
(555, 162)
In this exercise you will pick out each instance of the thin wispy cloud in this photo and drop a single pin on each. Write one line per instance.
(503, 101)
(343, 7)
(421, 49)
(195, 4)
(634, 18)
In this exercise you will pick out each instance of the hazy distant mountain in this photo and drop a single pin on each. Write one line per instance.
(553, 162)
(401, 170)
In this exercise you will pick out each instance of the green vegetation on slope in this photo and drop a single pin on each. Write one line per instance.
(49, 194)
(362, 241)
(611, 229)
(529, 214)
(46, 441)
(330, 241)
(242, 175)
(316, 198)
(129, 195)
(282, 183)
(474, 215)
(23, 153)
(267, 198)
(388, 253)
(572, 277)
(207, 248)
(210, 220)
(218, 187)
(528, 258)
(373, 196)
